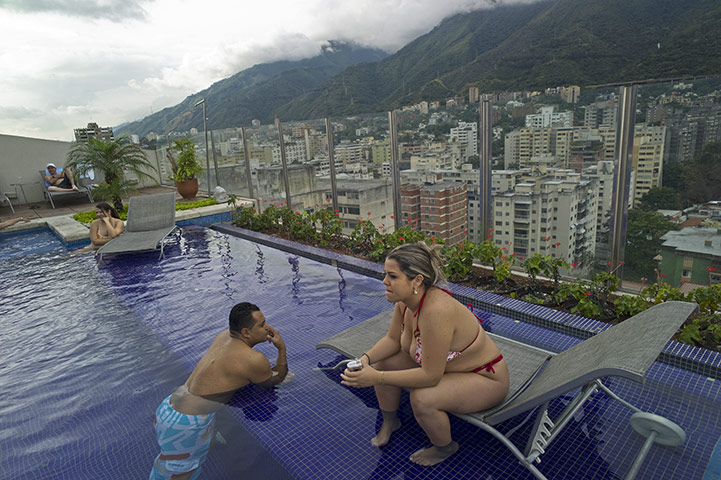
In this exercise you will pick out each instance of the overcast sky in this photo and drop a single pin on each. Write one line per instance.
(66, 63)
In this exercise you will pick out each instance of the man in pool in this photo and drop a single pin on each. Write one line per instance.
(184, 420)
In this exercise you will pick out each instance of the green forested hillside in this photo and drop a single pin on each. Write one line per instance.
(604, 41)
(505, 48)
(254, 92)
(545, 44)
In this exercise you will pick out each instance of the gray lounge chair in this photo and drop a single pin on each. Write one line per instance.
(537, 376)
(85, 191)
(151, 218)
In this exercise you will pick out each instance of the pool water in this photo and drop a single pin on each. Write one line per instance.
(91, 349)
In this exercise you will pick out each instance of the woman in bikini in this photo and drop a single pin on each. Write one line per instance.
(106, 227)
(435, 347)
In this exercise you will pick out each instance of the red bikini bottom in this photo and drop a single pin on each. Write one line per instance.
(489, 366)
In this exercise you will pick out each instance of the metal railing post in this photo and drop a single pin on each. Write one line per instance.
(395, 173)
(331, 161)
(484, 197)
(247, 165)
(622, 175)
(285, 164)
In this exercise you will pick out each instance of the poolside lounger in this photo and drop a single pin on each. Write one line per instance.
(4, 198)
(537, 376)
(84, 191)
(151, 218)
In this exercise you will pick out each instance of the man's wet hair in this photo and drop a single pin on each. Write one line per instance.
(241, 316)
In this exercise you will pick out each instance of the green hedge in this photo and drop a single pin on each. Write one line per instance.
(89, 216)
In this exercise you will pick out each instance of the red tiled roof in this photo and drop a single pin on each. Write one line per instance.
(687, 287)
(693, 222)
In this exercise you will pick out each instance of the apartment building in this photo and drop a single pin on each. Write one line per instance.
(466, 133)
(570, 94)
(441, 207)
(93, 131)
(548, 117)
(294, 153)
(367, 200)
(411, 205)
(551, 213)
(316, 144)
(601, 113)
(527, 142)
(431, 161)
(474, 95)
(270, 186)
(691, 255)
(347, 153)
(648, 147)
(586, 152)
(381, 151)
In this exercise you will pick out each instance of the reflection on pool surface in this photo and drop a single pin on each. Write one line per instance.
(91, 350)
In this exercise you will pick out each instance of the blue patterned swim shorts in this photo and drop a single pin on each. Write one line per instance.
(184, 442)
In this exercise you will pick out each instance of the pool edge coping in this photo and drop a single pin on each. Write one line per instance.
(676, 354)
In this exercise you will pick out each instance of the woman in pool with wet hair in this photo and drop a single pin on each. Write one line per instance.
(436, 347)
(106, 227)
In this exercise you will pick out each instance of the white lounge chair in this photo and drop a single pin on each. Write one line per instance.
(151, 219)
(4, 198)
(83, 191)
(537, 376)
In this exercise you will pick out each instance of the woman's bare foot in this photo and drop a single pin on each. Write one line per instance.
(433, 455)
(384, 434)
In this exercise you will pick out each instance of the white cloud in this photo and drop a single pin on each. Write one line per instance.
(67, 62)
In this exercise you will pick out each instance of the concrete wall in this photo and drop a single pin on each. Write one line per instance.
(20, 160)
(22, 157)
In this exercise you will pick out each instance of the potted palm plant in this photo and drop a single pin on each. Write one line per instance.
(113, 158)
(185, 167)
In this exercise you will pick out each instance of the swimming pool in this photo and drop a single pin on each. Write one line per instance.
(92, 349)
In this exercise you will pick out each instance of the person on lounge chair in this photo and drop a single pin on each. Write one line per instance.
(184, 421)
(11, 222)
(106, 227)
(436, 347)
(59, 179)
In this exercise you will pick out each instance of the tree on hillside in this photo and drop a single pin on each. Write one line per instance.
(113, 158)
(672, 171)
(643, 242)
(660, 198)
(702, 176)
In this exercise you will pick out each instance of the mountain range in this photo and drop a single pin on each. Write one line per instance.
(505, 48)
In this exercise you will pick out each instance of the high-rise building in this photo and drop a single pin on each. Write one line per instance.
(93, 131)
(570, 94)
(364, 200)
(602, 112)
(474, 95)
(443, 210)
(585, 153)
(648, 145)
(547, 117)
(551, 213)
(466, 133)
(381, 151)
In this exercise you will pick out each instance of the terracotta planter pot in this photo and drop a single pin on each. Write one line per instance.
(188, 188)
